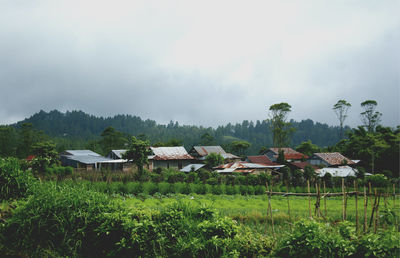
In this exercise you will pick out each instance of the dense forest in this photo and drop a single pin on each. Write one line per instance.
(377, 148)
(77, 129)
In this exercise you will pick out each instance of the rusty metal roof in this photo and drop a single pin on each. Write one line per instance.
(205, 150)
(261, 159)
(334, 158)
(289, 153)
(170, 153)
(302, 165)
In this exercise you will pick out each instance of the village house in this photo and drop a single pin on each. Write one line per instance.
(260, 159)
(300, 165)
(341, 171)
(329, 159)
(89, 160)
(169, 157)
(201, 152)
(290, 154)
(246, 168)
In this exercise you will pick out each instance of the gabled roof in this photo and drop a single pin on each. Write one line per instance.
(89, 159)
(333, 158)
(206, 150)
(302, 165)
(81, 153)
(192, 167)
(242, 166)
(118, 153)
(289, 153)
(169, 153)
(342, 171)
(261, 159)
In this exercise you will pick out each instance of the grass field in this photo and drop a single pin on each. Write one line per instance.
(252, 210)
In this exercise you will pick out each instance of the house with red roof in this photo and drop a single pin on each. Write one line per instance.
(290, 154)
(260, 159)
(329, 159)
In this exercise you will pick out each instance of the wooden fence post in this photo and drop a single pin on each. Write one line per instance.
(288, 204)
(309, 198)
(343, 201)
(270, 210)
(325, 198)
(355, 189)
(365, 209)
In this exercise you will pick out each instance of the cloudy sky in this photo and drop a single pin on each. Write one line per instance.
(199, 62)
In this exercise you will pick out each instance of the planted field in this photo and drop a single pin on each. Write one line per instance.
(252, 210)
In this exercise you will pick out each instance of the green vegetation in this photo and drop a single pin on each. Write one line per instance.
(74, 218)
(281, 129)
(78, 130)
(341, 108)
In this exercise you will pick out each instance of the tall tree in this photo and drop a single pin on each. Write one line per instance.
(27, 137)
(307, 148)
(137, 153)
(214, 159)
(239, 147)
(207, 139)
(281, 129)
(45, 155)
(112, 139)
(370, 118)
(341, 108)
(8, 141)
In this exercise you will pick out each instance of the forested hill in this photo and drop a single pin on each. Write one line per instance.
(77, 126)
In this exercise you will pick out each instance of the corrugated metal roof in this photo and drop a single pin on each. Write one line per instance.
(192, 167)
(118, 153)
(334, 158)
(170, 153)
(343, 171)
(302, 165)
(81, 153)
(205, 150)
(261, 159)
(244, 165)
(89, 159)
(289, 153)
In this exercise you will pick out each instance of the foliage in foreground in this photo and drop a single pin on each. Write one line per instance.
(314, 239)
(14, 182)
(67, 221)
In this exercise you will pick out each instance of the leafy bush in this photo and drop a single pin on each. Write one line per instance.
(313, 239)
(383, 244)
(14, 182)
(377, 180)
(60, 218)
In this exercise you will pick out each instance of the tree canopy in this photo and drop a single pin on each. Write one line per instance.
(281, 129)
(370, 118)
(341, 108)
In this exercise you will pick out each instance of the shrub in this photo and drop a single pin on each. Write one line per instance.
(216, 189)
(383, 244)
(14, 182)
(150, 188)
(313, 239)
(58, 218)
(164, 188)
(377, 180)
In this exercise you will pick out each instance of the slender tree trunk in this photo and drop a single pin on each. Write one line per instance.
(309, 198)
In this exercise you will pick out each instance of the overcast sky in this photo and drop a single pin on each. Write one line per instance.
(199, 62)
